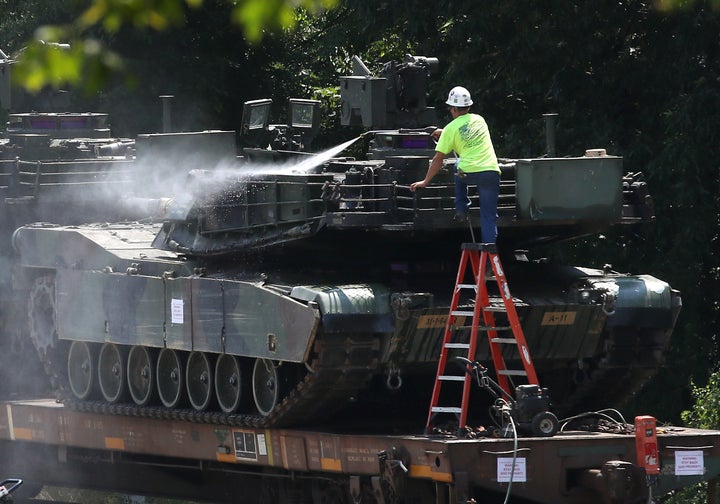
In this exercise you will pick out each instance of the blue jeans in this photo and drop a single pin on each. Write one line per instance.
(488, 185)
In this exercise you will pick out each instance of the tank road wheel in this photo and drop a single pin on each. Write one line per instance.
(141, 375)
(170, 382)
(228, 383)
(111, 372)
(267, 386)
(81, 370)
(199, 380)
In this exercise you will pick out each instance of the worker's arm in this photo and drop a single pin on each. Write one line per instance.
(435, 165)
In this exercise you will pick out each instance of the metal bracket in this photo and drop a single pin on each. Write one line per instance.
(389, 485)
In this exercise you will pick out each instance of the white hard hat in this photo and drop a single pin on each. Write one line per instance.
(459, 97)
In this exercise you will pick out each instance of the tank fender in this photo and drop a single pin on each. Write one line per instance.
(183, 313)
(640, 300)
(350, 308)
(251, 320)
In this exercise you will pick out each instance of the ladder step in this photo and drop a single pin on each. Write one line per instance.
(457, 345)
(484, 328)
(503, 340)
(499, 309)
(510, 372)
(462, 313)
(473, 286)
(443, 409)
(451, 378)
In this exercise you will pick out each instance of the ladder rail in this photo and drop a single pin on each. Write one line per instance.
(483, 298)
(514, 320)
(473, 344)
(444, 350)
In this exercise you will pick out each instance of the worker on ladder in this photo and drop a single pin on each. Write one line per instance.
(468, 135)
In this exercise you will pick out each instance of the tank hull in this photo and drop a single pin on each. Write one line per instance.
(316, 348)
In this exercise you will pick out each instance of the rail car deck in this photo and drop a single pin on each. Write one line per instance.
(46, 443)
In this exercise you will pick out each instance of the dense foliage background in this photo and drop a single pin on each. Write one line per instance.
(640, 81)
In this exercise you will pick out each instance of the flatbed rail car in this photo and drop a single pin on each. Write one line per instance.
(49, 444)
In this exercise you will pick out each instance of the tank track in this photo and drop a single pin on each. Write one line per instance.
(341, 368)
(614, 385)
(620, 373)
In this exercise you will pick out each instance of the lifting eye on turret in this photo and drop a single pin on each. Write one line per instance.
(400, 305)
(598, 296)
(608, 305)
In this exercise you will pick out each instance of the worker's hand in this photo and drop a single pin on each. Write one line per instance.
(418, 185)
(436, 134)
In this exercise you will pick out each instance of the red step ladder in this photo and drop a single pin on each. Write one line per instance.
(479, 255)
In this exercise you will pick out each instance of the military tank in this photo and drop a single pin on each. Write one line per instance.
(280, 294)
(66, 167)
